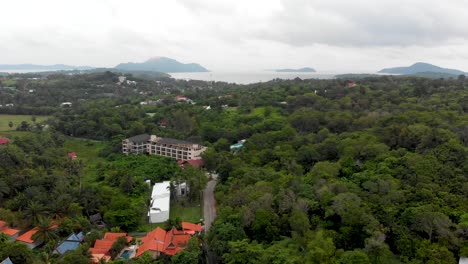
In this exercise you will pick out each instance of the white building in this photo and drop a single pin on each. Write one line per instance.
(167, 147)
(160, 202)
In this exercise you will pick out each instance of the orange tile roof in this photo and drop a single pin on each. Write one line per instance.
(113, 236)
(3, 224)
(27, 237)
(153, 241)
(102, 246)
(190, 228)
(9, 231)
(175, 241)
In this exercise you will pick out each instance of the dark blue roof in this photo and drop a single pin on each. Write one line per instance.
(67, 246)
(72, 242)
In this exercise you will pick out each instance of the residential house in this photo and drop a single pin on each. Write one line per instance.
(71, 243)
(181, 98)
(12, 233)
(167, 147)
(198, 163)
(160, 202)
(26, 238)
(66, 104)
(159, 242)
(238, 145)
(191, 229)
(72, 155)
(100, 251)
(4, 140)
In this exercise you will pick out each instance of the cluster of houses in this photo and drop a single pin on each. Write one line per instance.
(72, 242)
(156, 242)
(178, 98)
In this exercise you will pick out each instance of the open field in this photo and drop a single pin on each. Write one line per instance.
(188, 213)
(88, 151)
(17, 119)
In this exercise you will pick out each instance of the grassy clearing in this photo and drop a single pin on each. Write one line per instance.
(17, 119)
(186, 212)
(88, 151)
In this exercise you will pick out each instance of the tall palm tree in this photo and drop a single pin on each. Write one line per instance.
(45, 230)
(4, 189)
(34, 211)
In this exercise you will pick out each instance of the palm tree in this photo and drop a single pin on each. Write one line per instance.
(45, 230)
(4, 189)
(34, 211)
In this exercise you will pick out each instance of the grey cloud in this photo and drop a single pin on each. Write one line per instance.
(367, 23)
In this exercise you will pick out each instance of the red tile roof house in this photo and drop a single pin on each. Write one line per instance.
(101, 248)
(4, 140)
(72, 155)
(12, 233)
(159, 241)
(26, 238)
(194, 163)
(191, 229)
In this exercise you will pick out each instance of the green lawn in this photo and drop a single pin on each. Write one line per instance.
(187, 212)
(88, 151)
(17, 119)
(6, 131)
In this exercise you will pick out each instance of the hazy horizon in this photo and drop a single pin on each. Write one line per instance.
(331, 36)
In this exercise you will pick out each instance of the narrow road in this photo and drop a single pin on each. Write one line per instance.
(209, 205)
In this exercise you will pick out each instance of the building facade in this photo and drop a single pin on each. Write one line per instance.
(167, 147)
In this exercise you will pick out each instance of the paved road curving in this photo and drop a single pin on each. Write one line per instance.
(209, 205)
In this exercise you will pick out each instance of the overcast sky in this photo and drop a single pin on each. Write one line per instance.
(237, 35)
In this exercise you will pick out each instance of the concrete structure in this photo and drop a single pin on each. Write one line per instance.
(167, 147)
(160, 202)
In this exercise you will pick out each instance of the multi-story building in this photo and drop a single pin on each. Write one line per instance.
(167, 147)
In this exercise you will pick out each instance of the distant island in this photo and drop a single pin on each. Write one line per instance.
(420, 67)
(305, 69)
(34, 67)
(161, 64)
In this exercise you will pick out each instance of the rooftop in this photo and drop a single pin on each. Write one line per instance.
(4, 140)
(27, 237)
(9, 231)
(161, 195)
(143, 138)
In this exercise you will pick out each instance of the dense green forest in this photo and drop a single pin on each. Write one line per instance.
(375, 173)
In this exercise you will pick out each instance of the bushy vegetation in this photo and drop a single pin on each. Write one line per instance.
(375, 173)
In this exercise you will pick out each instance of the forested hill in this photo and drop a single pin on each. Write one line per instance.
(161, 64)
